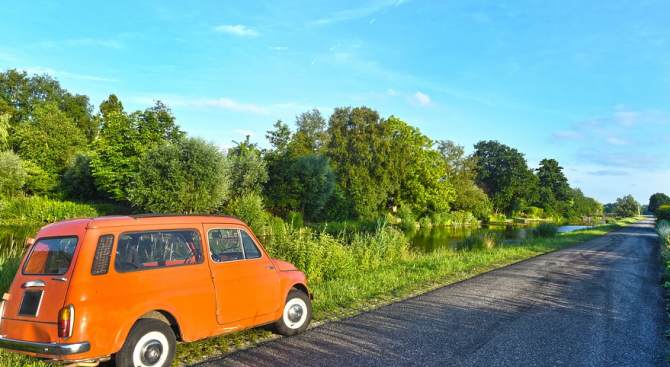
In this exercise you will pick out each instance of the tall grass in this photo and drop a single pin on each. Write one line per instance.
(10, 259)
(546, 230)
(43, 210)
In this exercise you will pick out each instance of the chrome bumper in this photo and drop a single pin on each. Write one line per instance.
(44, 348)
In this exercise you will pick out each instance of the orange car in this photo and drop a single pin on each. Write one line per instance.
(129, 287)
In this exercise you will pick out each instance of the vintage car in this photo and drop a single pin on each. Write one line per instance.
(130, 287)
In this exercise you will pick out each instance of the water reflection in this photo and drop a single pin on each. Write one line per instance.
(430, 239)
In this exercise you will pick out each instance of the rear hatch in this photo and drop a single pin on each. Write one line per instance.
(40, 286)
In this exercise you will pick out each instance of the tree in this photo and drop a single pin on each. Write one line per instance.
(315, 181)
(311, 135)
(123, 139)
(461, 171)
(504, 176)
(13, 174)
(419, 170)
(4, 131)
(49, 139)
(78, 182)
(187, 176)
(626, 206)
(248, 169)
(281, 188)
(553, 188)
(657, 200)
(359, 151)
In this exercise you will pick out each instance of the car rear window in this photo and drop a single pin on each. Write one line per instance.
(51, 256)
(157, 249)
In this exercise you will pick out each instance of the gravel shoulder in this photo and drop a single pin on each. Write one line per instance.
(595, 304)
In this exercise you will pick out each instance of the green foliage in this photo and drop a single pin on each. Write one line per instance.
(315, 181)
(38, 181)
(311, 136)
(484, 240)
(4, 131)
(249, 208)
(407, 217)
(663, 213)
(498, 218)
(425, 222)
(360, 154)
(49, 139)
(338, 208)
(248, 171)
(36, 209)
(294, 219)
(78, 182)
(626, 206)
(461, 171)
(190, 176)
(657, 200)
(546, 230)
(504, 175)
(13, 174)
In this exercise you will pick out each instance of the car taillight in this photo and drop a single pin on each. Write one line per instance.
(65, 321)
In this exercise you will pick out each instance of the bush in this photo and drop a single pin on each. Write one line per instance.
(546, 230)
(294, 219)
(78, 182)
(43, 210)
(13, 174)
(249, 209)
(482, 240)
(425, 222)
(663, 213)
(407, 217)
(39, 181)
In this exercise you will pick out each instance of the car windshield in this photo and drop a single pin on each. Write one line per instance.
(51, 256)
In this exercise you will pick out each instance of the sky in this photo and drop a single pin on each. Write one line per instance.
(584, 82)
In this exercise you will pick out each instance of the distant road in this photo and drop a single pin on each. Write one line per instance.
(595, 304)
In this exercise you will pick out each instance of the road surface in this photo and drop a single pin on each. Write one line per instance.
(595, 304)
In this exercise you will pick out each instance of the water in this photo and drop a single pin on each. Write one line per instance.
(430, 239)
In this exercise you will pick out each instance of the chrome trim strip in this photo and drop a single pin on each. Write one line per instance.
(2, 310)
(34, 283)
(45, 348)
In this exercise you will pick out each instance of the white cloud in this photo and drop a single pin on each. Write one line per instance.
(279, 48)
(83, 42)
(392, 92)
(244, 132)
(65, 74)
(358, 13)
(238, 30)
(422, 99)
(229, 104)
(616, 141)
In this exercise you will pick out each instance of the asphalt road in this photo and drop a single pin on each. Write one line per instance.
(595, 304)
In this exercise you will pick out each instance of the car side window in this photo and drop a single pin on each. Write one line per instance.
(156, 249)
(250, 249)
(225, 245)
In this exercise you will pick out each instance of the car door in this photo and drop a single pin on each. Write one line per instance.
(244, 277)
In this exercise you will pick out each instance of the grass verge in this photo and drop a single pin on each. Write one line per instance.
(381, 283)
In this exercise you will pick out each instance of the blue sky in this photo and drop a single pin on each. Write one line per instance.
(584, 82)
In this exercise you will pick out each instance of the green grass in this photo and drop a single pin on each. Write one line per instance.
(386, 272)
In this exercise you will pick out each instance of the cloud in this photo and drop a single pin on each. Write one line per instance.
(617, 141)
(358, 13)
(279, 48)
(633, 119)
(229, 104)
(422, 99)
(65, 74)
(238, 30)
(83, 42)
(609, 172)
(568, 135)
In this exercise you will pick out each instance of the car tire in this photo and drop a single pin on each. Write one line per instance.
(296, 315)
(150, 343)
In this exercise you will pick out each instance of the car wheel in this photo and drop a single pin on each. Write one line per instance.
(296, 315)
(150, 343)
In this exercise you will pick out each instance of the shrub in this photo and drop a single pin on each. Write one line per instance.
(78, 182)
(294, 219)
(663, 213)
(407, 217)
(13, 174)
(546, 230)
(44, 210)
(425, 222)
(482, 240)
(249, 209)
(39, 181)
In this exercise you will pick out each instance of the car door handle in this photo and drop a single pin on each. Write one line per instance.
(33, 284)
(270, 267)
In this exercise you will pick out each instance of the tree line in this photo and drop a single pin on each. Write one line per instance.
(353, 164)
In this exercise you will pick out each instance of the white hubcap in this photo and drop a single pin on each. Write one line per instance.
(295, 313)
(151, 350)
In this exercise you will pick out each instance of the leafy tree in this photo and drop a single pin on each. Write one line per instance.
(626, 206)
(189, 176)
(20, 96)
(311, 136)
(281, 188)
(504, 176)
(78, 182)
(583, 205)
(316, 182)
(123, 139)
(250, 209)
(553, 185)
(4, 131)
(13, 174)
(657, 200)
(419, 170)
(248, 169)
(461, 171)
(49, 139)
(360, 154)
(38, 181)
(279, 138)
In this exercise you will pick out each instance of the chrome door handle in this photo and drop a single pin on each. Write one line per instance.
(33, 284)
(270, 267)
